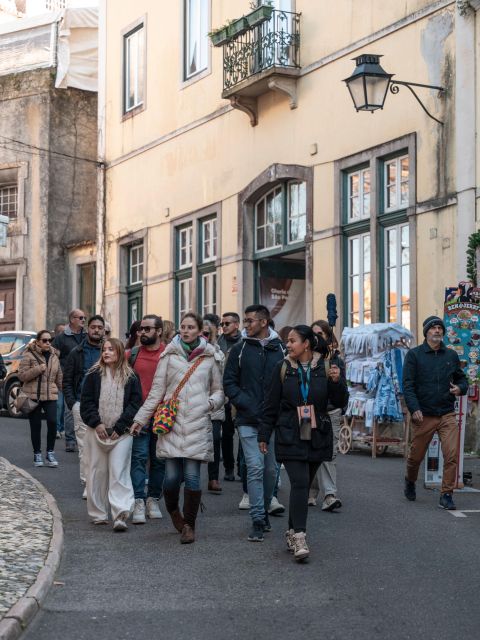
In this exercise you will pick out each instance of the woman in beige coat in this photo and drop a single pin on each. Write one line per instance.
(41, 375)
(190, 442)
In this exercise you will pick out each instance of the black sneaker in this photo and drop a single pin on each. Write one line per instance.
(267, 527)
(446, 502)
(409, 490)
(256, 534)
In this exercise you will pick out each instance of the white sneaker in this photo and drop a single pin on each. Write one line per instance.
(50, 459)
(120, 523)
(37, 460)
(153, 508)
(312, 502)
(289, 540)
(138, 512)
(300, 549)
(84, 494)
(244, 502)
(275, 508)
(331, 503)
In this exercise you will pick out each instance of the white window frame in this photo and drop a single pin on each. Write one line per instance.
(212, 242)
(197, 37)
(397, 183)
(400, 284)
(277, 188)
(187, 283)
(299, 216)
(185, 241)
(135, 262)
(139, 71)
(361, 276)
(363, 215)
(6, 193)
(209, 292)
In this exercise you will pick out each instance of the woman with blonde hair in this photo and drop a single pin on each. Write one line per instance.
(194, 367)
(111, 396)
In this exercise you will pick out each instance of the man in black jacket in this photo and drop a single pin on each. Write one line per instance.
(64, 342)
(230, 336)
(247, 376)
(432, 378)
(77, 363)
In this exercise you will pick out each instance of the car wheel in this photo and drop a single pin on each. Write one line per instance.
(11, 396)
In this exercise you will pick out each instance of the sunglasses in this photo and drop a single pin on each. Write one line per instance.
(46, 340)
(80, 317)
(225, 324)
(146, 329)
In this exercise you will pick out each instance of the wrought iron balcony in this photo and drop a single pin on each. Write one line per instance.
(262, 58)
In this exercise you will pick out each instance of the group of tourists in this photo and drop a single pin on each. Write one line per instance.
(144, 416)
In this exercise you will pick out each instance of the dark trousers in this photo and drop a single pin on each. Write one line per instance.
(213, 467)
(49, 407)
(228, 432)
(300, 474)
(242, 467)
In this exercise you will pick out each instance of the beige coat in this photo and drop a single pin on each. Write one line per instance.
(29, 370)
(191, 436)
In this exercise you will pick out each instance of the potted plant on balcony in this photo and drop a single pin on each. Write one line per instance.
(238, 27)
(219, 37)
(259, 14)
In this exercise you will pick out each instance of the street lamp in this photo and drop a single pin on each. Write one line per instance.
(369, 83)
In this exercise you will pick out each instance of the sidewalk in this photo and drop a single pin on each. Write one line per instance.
(31, 539)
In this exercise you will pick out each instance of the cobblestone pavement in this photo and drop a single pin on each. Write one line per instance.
(25, 531)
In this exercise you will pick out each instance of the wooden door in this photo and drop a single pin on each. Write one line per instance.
(7, 305)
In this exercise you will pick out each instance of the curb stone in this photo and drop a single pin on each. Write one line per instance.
(19, 616)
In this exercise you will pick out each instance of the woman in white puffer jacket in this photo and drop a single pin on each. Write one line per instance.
(190, 442)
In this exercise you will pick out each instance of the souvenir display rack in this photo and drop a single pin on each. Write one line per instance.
(374, 356)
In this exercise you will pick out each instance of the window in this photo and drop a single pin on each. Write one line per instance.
(87, 276)
(209, 293)
(135, 272)
(196, 269)
(8, 201)
(281, 217)
(396, 183)
(134, 68)
(209, 240)
(359, 281)
(397, 274)
(358, 195)
(196, 37)
(185, 247)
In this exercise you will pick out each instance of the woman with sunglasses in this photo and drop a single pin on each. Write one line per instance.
(41, 375)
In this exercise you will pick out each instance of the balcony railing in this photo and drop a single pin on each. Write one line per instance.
(274, 44)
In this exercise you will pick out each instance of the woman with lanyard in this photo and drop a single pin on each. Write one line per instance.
(296, 408)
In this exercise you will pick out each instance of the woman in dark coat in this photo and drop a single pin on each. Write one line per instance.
(301, 387)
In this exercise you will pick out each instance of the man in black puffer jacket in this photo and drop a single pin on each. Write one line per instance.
(432, 378)
(246, 379)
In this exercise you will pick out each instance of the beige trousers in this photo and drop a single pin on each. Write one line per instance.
(108, 476)
(80, 432)
(325, 479)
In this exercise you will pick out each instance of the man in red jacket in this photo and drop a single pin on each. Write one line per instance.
(144, 359)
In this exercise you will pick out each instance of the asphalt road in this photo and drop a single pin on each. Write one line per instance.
(381, 568)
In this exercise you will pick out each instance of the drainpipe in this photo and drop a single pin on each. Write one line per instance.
(101, 208)
(465, 129)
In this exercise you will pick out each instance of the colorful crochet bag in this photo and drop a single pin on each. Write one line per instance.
(166, 412)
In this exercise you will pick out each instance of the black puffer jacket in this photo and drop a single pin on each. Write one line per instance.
(90, 397)
(426, 379)
(281, 415)
(247, 376)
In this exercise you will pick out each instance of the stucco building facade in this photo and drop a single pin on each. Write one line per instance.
(243, 173)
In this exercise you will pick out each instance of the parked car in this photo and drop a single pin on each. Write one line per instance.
(12, 346)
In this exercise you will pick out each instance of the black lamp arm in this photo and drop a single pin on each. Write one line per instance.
(394, 88)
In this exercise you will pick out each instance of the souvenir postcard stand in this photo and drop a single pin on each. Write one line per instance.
(376, 415)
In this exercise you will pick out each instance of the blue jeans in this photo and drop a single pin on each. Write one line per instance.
(261, 472)
(60, 412)
(275, 491)
(178, 470)
(242, 468)
(143, 451)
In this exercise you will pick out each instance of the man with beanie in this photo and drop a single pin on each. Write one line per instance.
(432, 378)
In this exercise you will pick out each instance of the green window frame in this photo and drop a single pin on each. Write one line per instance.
(207, 280)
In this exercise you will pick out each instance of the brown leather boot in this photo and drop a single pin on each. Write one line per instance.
(171, 502)
(191, 503)
(214, 486)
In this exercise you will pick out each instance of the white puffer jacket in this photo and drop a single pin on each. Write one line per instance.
(191, 436)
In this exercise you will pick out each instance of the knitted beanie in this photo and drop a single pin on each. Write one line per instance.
(432, 321)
